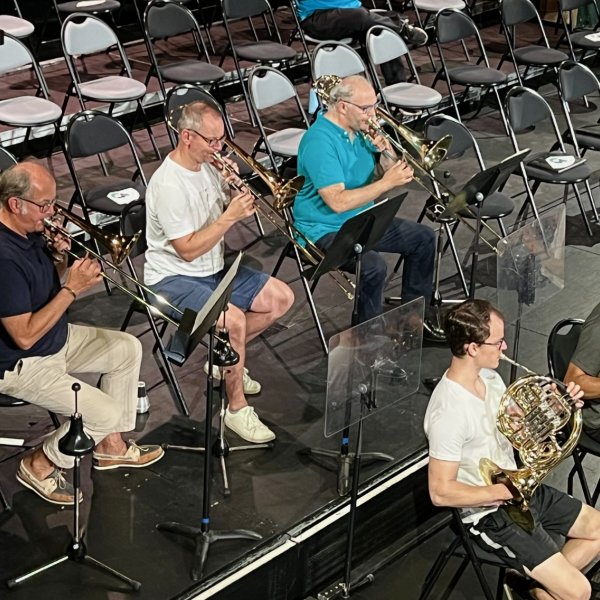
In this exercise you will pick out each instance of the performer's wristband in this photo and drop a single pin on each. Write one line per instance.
(68, 289)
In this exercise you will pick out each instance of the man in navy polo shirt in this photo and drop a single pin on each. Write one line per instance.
(39, 348)
(340, 169)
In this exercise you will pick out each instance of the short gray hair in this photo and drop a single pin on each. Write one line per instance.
(341, 91)
(14, 183)
(192, 115)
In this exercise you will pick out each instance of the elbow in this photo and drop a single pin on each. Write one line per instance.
(24, 343)
(186, 256)
(436, 499)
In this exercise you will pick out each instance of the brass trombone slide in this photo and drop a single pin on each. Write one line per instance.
(119, 247)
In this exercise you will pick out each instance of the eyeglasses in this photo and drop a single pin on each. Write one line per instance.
(209, 141)
(365, 108)
(43, 206)
(498, 344)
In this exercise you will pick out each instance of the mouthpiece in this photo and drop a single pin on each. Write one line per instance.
(514, 362)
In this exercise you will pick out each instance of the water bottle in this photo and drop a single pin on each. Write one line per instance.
(143, 404)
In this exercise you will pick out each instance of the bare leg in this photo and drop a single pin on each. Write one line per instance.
(235, 320)
(113, 445)
(273, 301)
(38, 464)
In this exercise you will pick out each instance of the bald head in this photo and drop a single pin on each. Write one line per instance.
(194, 114)
(349, 87)
(24, 180)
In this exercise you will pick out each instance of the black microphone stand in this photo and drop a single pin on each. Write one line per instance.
(77, 443)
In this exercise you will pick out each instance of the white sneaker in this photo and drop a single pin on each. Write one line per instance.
(248, 426)
(251, 387)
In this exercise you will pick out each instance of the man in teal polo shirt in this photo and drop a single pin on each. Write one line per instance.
(340, 169)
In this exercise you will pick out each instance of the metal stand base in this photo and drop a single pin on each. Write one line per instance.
(203, 540)
(76, 552)
(343, 463)
(220, 450)
(339, 590)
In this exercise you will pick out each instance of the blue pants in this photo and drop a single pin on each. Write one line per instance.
(416, 244)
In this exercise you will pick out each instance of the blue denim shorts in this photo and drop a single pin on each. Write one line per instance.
(184, 291)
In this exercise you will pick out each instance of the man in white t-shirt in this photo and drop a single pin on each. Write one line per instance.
(189, 209)
(460, 424)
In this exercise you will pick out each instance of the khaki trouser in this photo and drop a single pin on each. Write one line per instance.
(46, 381)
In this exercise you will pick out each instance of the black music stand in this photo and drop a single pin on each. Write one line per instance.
(223, 356)
(356, 236)
(192, 329)
(77, 443)
(371, 367)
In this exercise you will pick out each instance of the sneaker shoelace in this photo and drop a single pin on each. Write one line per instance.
(59, 477)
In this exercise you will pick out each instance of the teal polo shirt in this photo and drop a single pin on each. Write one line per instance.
(308, 7)
(327, 156)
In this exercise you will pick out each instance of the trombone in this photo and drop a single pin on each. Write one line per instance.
(283, 192)
(119, 247)
(421, 154)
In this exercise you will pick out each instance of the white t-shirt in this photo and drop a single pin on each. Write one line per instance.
(180, 202)
(462, 428)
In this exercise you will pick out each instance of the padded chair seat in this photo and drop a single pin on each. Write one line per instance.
(476, 76)
(191, 71)
(574, 175)
(495, 206)
(579, 39)
(28, 111)
(97, 200)
(433, 6)
(89, 6)
(113, 88)
(265, 52)
(16, 26)
(539, 55)
(588, 444)
(411, 95)
(286, 141)
(6, 401)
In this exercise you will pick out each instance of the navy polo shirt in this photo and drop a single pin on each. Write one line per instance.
(327, 156)
(29, 281)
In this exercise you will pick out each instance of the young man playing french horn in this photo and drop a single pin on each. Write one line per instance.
(189, 210)
(460, 424)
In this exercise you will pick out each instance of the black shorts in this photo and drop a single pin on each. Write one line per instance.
(554, 514)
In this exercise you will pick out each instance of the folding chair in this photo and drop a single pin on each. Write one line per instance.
(526, 108)
(94, 133)
(28, 112)
(495, 207)
(384, 44)
(83, 35)
(562, 343)
(584, 39)
(163, 22)
(7, 160)
(259, 51)
(464, 548)
(575, 83)
(517, 12)
(267, 88)
(454, 26)
(132, 220)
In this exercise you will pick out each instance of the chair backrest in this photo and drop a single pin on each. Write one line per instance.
(132, 220)
(438, 126)
(576, 80)
(268, 87)
(14, 54)
(526, 108)
(575, 4)
(562, 343)
(241, 9)
(7, 160)
(514, 12)
(93, 132)
(451, 25)
(168, 19)
(86, 34)
(336, 58)
(384, 44)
